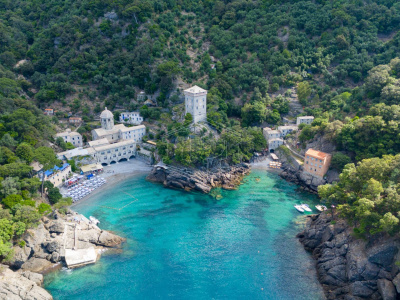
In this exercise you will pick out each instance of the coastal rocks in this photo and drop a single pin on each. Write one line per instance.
(228, 177)
(57, 227)
(350, 268)
(386, 289)
(36, 265)
(108, 239)
(308, 182)
(35, 277)
(45, 245)
(25, 285)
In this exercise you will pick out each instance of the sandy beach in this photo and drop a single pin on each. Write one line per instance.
(115, 173)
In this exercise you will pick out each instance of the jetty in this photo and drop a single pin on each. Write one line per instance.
(75, 257)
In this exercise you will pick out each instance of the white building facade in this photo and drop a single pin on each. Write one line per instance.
(133, 118)
(57, 175)
(285, 130)
(115, 133)
(271, 133)
(196, 103)
(71, 137)
(274, 143)
(275, 137)
(304, 120)
(113, 153)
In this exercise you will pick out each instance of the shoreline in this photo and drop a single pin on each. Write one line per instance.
(116, 173)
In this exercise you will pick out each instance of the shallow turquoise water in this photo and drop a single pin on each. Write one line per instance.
(189, 246)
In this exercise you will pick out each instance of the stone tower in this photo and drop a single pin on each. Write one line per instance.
(107, 119)
(196, 103)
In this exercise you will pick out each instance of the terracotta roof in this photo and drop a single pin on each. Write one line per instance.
(317, 154)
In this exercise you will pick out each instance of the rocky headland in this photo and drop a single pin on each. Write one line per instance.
(349, 268)
(47, 247)
(228, 177)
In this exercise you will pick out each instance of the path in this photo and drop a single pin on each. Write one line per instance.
(294, 152)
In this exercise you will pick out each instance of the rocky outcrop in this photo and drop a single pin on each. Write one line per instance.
(350, 268)
(228, 177)
(21, 285)
(320, 142)
(45, 245)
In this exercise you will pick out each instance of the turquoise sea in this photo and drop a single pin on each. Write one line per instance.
(184, 245)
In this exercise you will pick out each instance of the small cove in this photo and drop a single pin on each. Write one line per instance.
(190, 246)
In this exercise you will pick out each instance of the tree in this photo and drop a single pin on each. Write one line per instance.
(303, 92)
(254, 113)
(8, 141)
(25, 152)
(27, 215)
(20, 170)
(377, 79)
(47, 158)
(339, 160)
(11, 200)
(10, 185)
(44, 208)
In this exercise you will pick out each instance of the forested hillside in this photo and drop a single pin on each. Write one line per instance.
(109, 48)
(339, 57)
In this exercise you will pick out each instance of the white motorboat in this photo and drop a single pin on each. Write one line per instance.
(299, 208)
(306, 207)
(321, 208)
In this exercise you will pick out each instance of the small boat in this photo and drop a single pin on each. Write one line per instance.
(321, 208)
(306, 207)
(299, 208)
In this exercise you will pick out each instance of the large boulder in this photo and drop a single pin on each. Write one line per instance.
(14, 285)
(362, 289)
(386, 289)
(21, 255)
(91, 235)
(35, 277)
(396, 282)
(383, 254)
(108, 239)
(356, 261)
(57, 227)
(36, 265)
(53, 246)
(35, 237)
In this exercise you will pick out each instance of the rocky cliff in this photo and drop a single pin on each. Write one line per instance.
(44, 248)
(45, 245)
(350, 268)
(21, 285)
(200, 180)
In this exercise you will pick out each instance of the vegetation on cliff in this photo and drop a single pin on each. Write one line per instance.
(368, 195)
(24, 135)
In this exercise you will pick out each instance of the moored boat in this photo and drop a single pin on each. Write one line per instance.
(306, 207)
(299, 208)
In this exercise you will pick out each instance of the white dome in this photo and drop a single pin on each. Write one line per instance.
(106, 114)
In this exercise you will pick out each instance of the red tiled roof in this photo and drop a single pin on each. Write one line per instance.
(317, 154)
